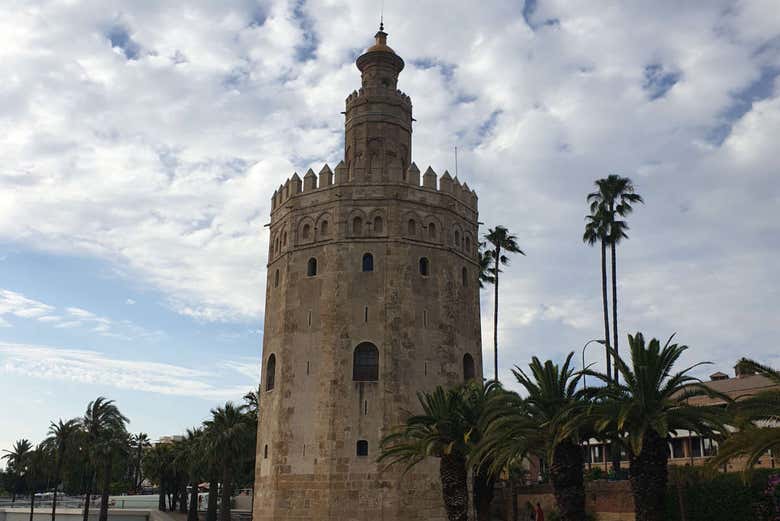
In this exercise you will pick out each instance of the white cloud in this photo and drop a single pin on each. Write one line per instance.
(91, 367)
(16, 304)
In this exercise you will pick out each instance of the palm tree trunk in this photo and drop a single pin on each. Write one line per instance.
(192, 512)
(613, 246)
(104, 492)
(211, 511)
(161, 504)
(227, 492)
(484, 490)
(88, 495)
(649, 475)
(454, 487)
(57, 472)
(495, 313)
(604, 299)
(566, 476)
(32, 503)
(183, 498)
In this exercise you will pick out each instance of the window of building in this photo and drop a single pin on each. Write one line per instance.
(468, 244)
(365, 314)
(311, 269)
(597, 453)
(709, 447)
(695, 447)
(276, 279)
(357, 226)
(411, 227)
(365, 363)
(362, 448)
(306, 232)
(678, 448)
(324, 228)
(432, 231)
(468, 367)
(379, 225)
(284, 239)
(265, 452)
(424, 268)
(464, 276)
(368, 262)
(457, 239)
(270, 373)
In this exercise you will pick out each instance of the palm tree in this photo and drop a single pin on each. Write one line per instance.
(614, 198)
(501, 241)
(16, 462)
(105, 426)
(61, 434)
(157, 465)
(193, 443)
(596, 230)
(644, 411)
(230, 433)
(757, 416)
(140, 443)
(548, 423)
(439, 432)
(34, 462)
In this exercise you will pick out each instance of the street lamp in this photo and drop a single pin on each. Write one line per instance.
(585, 386)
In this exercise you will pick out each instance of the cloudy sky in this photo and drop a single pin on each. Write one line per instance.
(140, 143)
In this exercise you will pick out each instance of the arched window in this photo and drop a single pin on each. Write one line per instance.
(362, 448)
(432, 231)
(378, 225)
(411, 227)
(365, 363)
(276, 279)
(306, 232)
(464, 276)
(424, 268)
(468, 367)
(284, 239)
(311, 269)
(457, 239)
(270, 373)
(468, 244)
(368, 262)
(324, 228)
(357, 226)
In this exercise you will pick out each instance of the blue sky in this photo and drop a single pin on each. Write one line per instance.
(141, 143)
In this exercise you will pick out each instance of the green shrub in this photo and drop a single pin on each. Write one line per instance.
(718, 497)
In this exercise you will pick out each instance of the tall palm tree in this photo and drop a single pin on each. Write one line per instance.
(193, 443)
(646, 410)
(596, 231)
(35, 461)
(61, 434)
(230, 433)
(439, 432)
(140, 443)
(105, 426)
(614, 198)
(502, 242)
(757, 417)
(549, 423)
(158, 466)
(16, 460)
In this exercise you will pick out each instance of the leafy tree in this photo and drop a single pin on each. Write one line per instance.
(501, 242)
(549, 423)
(105, 426)
(613, 199)
(757, 417)
(230, 434)
(61, 435)
(645, 410)
(16, 461)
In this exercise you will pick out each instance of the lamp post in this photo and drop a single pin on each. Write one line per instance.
(585, 386)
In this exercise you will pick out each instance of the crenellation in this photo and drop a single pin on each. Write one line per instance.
(445, 183)
(341, 173)
(295, 184)
(326, 176)
(309, 180)
(429, 179)
(413, 175)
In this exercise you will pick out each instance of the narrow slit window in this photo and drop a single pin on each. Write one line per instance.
(468, 244)
(457, 239)
(425, 318)
(464, 275)
(368, 262)
(265, 452)
(309, 319)
(276, 279)
(311, 269)
(365, 314)
(424, 267)
(270, 373)
(365, 408)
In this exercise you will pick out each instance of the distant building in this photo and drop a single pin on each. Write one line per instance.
(689, 449)
(168, 440)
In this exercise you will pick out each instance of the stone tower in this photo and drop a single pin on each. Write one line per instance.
(372, 295)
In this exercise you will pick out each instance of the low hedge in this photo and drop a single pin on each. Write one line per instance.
(708, 496)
